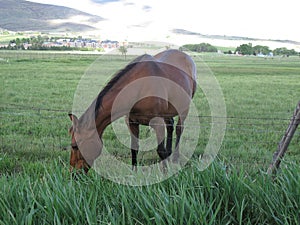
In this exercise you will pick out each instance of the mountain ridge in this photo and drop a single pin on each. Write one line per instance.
(228, 37)
(21, 15)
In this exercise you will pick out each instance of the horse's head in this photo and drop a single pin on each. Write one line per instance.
(77, 160)
(85, 146)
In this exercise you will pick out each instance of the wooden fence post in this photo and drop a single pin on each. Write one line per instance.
(285, 141)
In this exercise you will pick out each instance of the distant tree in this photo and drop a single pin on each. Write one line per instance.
(190, 47)
(228, 52)
(261, 49)
(284, 51)
(40, 39)
(18, 41)
(203, 47)
(123, 50)
(293, 52)
(280, 51)
(245, 49)
(25, 40)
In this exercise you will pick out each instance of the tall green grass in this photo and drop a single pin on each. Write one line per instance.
(36, 187)
(218, 195)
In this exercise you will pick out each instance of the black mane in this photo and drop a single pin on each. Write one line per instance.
(110, 84)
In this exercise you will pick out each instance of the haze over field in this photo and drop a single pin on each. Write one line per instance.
(215, 21)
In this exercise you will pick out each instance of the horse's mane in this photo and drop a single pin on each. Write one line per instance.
(110, 84)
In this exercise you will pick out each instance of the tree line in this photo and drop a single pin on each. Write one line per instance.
(37, 43)
(202, 47)
(248, 49)
(244, 49)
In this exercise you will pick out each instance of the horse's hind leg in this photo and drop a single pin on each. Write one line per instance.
(134, 134)
(170, 128)
(158, 125)
(179, 130)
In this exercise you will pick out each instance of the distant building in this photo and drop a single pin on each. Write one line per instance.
(260, 55)
(3, 46)
(107, 44)
(26, 45)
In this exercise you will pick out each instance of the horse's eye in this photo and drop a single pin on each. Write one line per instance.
(75, 147)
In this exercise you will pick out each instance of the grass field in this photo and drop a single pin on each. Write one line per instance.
(37, 92)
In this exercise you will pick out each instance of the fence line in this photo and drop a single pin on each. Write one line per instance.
(22, 107)
(260, 146)
(244, 130)
(230, 124)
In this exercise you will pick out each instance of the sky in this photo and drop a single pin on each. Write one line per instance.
(156, 18)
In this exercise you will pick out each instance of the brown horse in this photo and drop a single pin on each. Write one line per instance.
(151, 90)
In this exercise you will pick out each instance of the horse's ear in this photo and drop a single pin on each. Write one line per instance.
(73, 118)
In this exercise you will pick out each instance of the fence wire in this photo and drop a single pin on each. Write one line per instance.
(258, 135)
(234, 123)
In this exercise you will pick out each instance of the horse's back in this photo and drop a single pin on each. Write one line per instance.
(171, 64)
(171, 57)
(179, 60)
(143, 58)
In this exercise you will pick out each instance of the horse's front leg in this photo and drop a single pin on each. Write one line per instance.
(134, 134)
(158, 125)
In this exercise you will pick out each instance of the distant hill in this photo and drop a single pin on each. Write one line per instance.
(230, 38)
(20, 15)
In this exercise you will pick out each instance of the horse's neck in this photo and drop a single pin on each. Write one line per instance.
(104, 115)
(90, 121)
(102, 122)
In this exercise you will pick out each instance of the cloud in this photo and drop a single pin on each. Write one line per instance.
(104, 1)
(141, 25)
(260, 19)
(147, 8)
(128, 3)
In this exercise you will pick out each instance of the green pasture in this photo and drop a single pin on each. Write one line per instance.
(37, 91)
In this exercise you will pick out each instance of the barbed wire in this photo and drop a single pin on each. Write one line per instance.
(244, 130)
(22, 107)
(234, 125)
